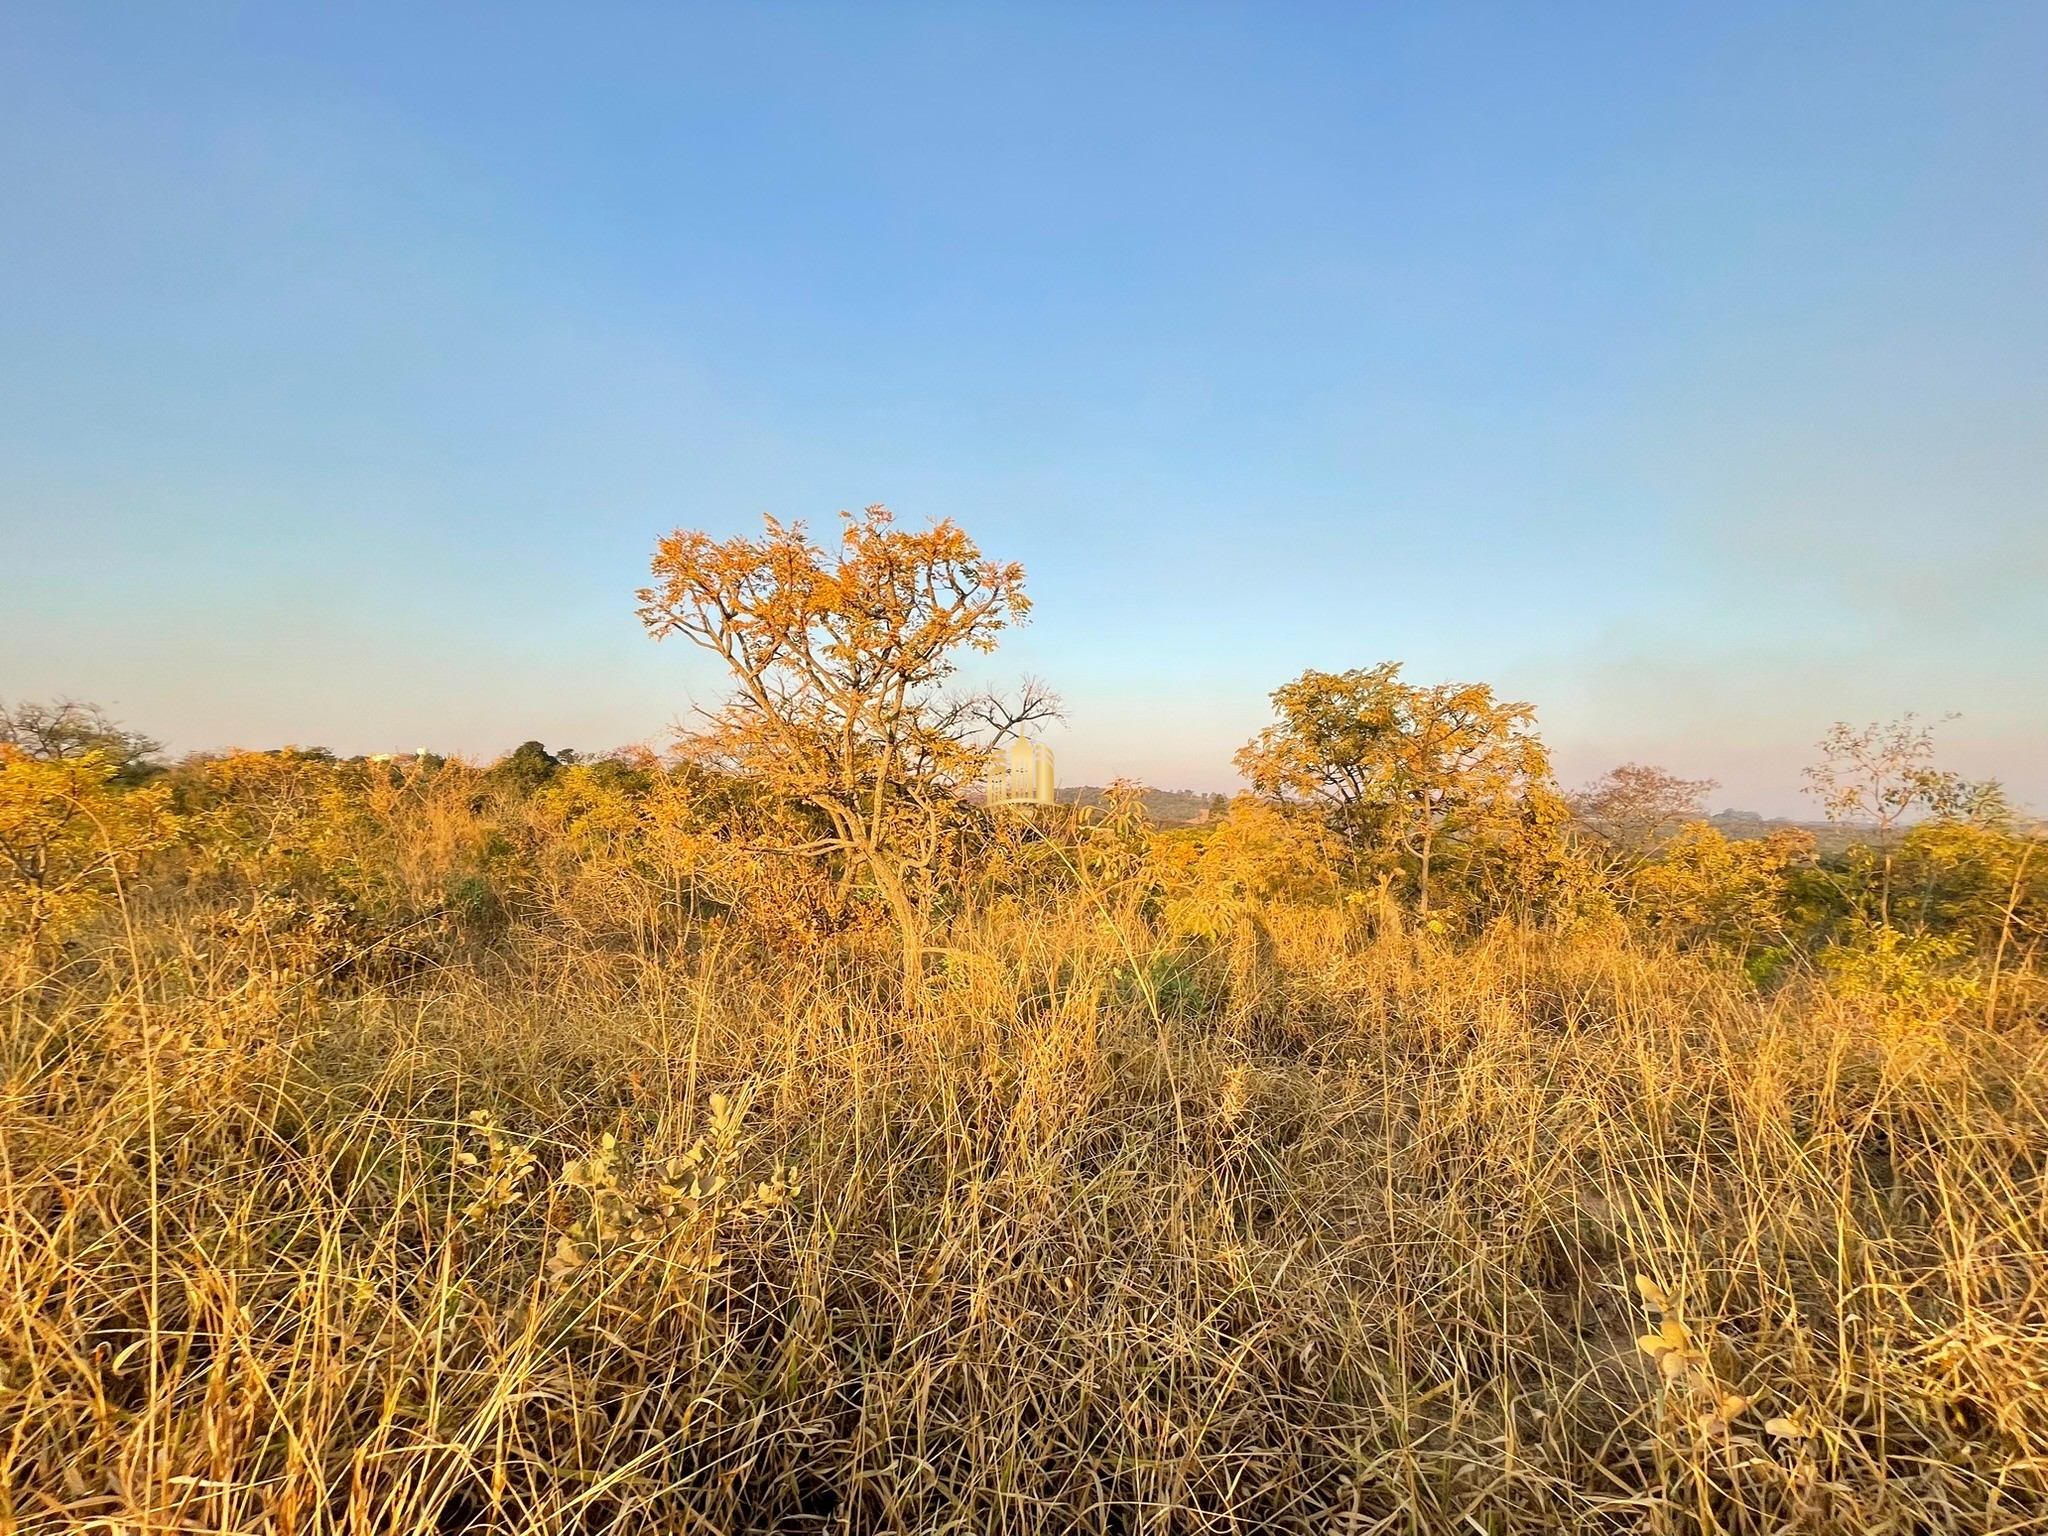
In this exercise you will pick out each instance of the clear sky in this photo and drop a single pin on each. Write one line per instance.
(1682, 369)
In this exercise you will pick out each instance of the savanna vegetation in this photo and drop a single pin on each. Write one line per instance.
(762, 1134)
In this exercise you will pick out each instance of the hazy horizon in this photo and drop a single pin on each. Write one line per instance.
(1682, 371)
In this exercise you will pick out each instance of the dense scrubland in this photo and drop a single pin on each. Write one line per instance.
(763, 1134)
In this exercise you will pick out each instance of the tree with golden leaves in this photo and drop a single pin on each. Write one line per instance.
(840, 660)
(1395, 765)
(69, 837)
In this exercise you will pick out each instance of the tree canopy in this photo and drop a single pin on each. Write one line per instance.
(839, 660)
(1399, 766)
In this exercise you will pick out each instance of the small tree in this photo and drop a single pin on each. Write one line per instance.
(839, 660)
(69, 835)
(1393, 764)
(527, 767)
(68, 730)
(1634, 808)
(1879, 777)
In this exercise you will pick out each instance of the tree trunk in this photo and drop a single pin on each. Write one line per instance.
(855, 838)
(909, 922)
(1422, 882)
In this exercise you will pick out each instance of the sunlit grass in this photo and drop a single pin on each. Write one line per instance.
(1326, 1226)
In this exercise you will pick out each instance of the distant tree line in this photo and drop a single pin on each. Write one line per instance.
(832, 792)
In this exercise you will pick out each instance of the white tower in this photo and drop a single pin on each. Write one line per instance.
(1020, 774)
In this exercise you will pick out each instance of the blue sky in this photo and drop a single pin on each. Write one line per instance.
(1681, 369)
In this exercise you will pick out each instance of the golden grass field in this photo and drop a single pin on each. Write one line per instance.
(1330, 1224)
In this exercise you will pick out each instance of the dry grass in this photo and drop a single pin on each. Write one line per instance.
(1319, 1232)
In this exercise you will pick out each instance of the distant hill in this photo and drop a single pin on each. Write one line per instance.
(1187, 807)
(1829, 836)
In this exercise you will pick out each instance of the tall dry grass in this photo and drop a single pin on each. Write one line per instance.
(1320, 1229)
